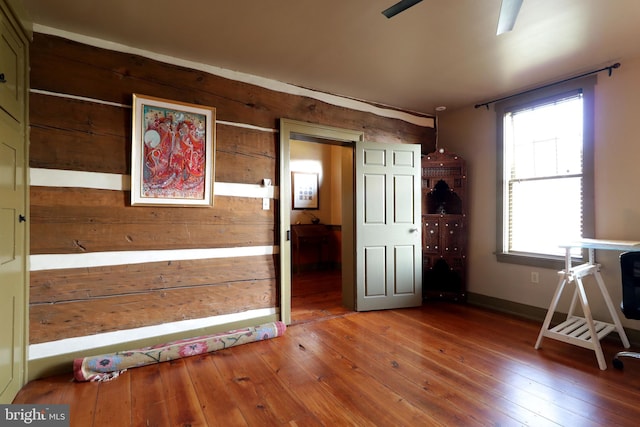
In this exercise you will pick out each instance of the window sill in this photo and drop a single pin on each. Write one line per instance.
(534, 260)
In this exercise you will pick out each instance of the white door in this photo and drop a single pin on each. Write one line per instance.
(388, 226)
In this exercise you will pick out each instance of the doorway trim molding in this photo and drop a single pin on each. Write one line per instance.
(288, 130)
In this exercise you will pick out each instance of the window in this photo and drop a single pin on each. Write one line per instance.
(545, 166)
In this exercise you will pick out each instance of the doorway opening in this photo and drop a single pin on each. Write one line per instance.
(316, 226)
(320, 276)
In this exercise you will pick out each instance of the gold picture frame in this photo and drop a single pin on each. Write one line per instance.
(173, 153)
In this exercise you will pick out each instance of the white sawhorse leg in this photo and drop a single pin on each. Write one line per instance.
(552, 307)
(583, 332)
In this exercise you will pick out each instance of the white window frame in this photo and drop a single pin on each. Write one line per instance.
(538, 97)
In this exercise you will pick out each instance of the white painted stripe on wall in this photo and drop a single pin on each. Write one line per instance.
(115, 104)
(87, 343)
(245, 190)
(247, 126)
(244, 77)
(80, 98)
(110, 181)
(79, 179)
(101, 259)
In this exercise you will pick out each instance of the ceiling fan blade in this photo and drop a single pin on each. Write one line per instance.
(401, 6)
(508, 14)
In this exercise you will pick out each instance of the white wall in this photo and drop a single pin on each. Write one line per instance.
(471, 133)
(317, 158)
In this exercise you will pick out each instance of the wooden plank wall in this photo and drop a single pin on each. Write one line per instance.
(91, 132)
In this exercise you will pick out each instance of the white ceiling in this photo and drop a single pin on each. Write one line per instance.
(439, 52)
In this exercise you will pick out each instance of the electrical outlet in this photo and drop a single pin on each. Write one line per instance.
(534, 277)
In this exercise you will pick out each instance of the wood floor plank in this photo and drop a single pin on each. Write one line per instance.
(325, 407)
(52, 391)
(181, 400)
(540, 378)
(316, 377)
(113, 403)
(242, 390)
(285, 406)
(217, 405)
(316, 295)
(508, 365)
(353, 384)
(471, 375)
(147, 399)
(542, 384)
(82, 400)
(437, 393)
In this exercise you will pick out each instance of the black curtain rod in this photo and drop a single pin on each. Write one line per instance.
(610, 69)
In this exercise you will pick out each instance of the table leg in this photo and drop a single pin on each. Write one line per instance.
(595, 341)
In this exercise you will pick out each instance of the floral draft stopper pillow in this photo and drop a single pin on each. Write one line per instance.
(109, 366)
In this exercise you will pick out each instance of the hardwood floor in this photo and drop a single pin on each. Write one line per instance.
(316, 295)
(439, 364)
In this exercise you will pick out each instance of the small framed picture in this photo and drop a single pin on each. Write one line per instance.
(173, 153)
(305, 190)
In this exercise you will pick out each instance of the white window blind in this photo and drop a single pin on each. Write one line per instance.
(543, 176)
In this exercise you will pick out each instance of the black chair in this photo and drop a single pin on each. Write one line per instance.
(630, 269)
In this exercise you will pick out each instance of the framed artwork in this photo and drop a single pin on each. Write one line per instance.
(173, 153)
(305, 190)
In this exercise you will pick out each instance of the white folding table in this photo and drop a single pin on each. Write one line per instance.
(584, 331)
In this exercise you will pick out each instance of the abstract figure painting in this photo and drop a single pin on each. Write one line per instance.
(173, 151)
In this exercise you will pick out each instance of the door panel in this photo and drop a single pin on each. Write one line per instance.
(8, 372)
(403, 190)
(374, 188)
(375, 262)
(388, 229)
(12, 61)
(7, 231)
(405, 281)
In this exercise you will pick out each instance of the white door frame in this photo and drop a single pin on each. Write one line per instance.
(288, 129)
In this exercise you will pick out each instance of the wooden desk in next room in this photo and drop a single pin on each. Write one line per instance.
(310, 238)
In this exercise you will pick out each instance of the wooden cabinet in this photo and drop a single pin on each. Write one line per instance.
(310, 246)
(444, 226)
